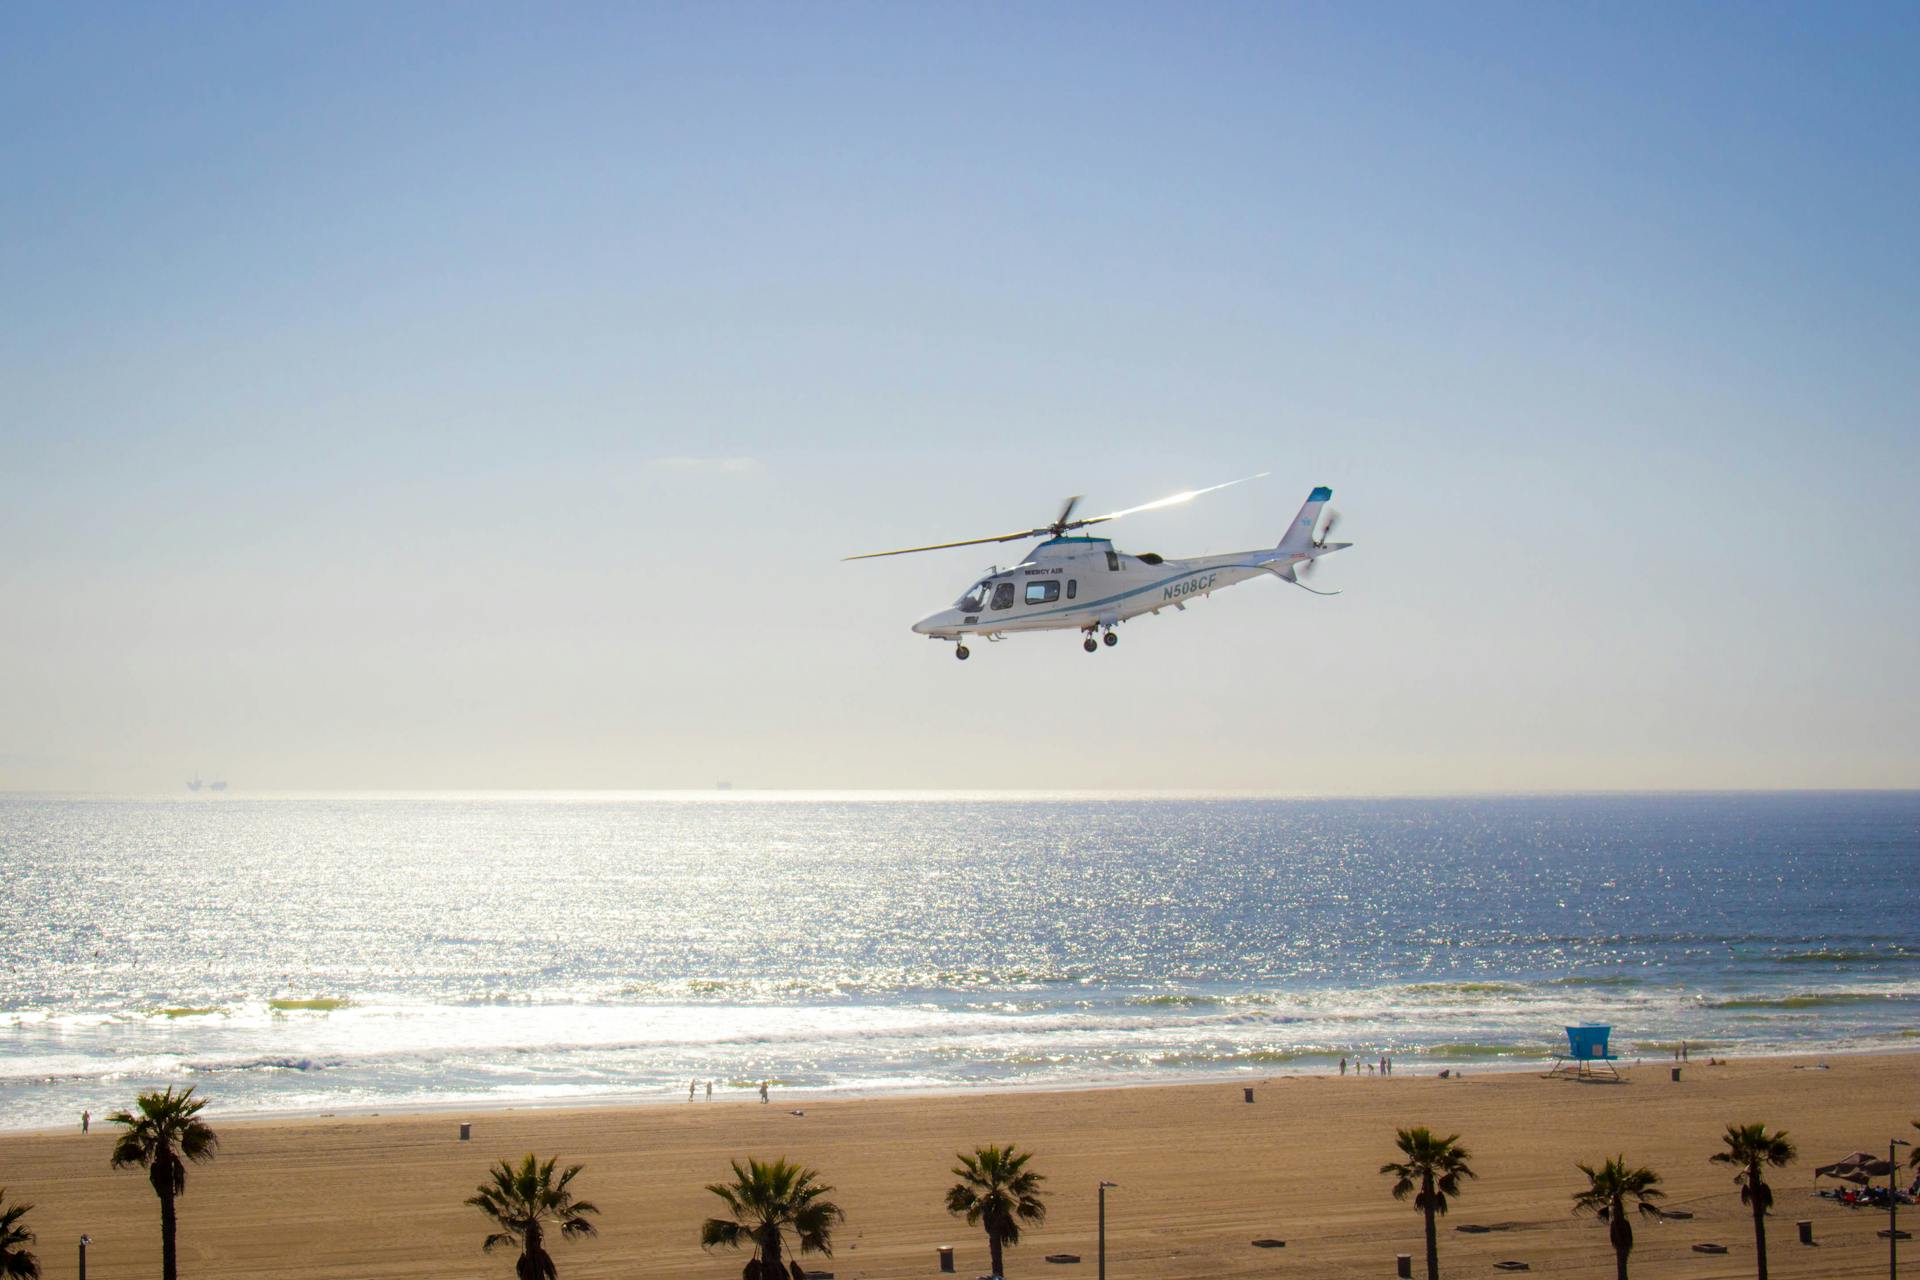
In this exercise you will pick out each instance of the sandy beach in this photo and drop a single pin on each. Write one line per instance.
(1201, 1175)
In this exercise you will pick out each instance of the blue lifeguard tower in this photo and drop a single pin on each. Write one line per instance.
(1586, 1053)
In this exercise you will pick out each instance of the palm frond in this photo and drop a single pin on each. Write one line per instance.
(719, 1231)
(16, 1261)
(767, 1198)
(522, 1199)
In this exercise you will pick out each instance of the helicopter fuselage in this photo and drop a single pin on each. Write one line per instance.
(1086, 584)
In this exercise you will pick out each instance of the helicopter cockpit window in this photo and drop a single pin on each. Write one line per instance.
(1003, 595)
(976, 598)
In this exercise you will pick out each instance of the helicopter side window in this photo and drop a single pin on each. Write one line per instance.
(1073, 587)
(976, 598)
(1003, 595)
(1042, 592)
(1113, 560)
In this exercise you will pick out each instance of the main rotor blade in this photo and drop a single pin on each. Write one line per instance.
(1066, 509)
(964, 542)
(1171, 500)
(1061, 525)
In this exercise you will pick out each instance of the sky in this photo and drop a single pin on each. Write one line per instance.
(484, 395)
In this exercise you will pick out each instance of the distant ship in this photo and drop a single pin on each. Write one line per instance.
(216, 786)
(196, 784)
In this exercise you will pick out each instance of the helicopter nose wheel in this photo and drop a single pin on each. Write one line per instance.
(1090, 645)
(1110, 639)
(961, 652)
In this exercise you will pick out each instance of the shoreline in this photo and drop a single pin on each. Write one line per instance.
(614, 1100)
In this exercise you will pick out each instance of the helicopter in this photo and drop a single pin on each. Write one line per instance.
(1078, 582)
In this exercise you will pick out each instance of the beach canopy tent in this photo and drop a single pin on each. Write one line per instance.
(1855, 1166)
(1586, 1052)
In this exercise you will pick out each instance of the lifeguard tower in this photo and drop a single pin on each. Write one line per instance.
(1586, 1054)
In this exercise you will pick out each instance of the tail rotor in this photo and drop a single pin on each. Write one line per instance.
(1320, 540)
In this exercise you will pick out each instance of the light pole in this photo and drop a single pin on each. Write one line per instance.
(84, 1242)
(1103, 1227)
(1893, 1210)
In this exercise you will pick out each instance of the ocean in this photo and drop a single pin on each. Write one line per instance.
(376, 951)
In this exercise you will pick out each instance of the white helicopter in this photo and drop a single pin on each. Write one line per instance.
(1085, 584)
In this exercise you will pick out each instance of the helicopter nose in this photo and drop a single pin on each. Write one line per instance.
(925, 625)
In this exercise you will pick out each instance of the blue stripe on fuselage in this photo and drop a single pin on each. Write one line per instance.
(1080, 607)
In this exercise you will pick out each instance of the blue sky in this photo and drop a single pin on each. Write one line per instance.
(354, 355)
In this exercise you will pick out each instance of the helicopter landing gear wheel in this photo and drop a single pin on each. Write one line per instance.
(1110, 639)
(961, 652)
(1089, 645)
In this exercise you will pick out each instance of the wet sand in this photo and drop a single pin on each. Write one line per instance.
(1201, 1174)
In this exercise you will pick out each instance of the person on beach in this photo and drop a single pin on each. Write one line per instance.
(1343, 1066)
(709, 1091)
(763, 1090)
(692, 1087)
(86, 1120)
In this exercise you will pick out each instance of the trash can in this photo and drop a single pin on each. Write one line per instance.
(1806, 1230)
(1249, 1093)
(1403, 1266)
(466, 1130)
(946, 1257)
(1676, 1075)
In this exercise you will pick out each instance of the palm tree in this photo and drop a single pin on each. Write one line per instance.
(16, 1263)
(161, 1138)
(1436, 1166)
(523, 1201)
(1749, 1148)
(1608, 1189)
(765, 1200)
(995, 1188)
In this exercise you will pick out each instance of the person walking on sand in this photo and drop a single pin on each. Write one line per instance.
(763, 1091)
(86, 1121)
(692, 1086)
(709, 1091)
(1343, 1066)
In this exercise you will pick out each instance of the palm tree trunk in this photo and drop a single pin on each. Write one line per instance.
(1433, 1249)
(530, 1253)
(770, 1264)
(993, 1250)
(169, 1229)
(1620, 1231)
(1759, 1238)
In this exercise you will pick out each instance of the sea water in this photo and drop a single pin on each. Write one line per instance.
(387, 951)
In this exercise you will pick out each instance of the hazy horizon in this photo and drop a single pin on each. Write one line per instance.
(476, 397)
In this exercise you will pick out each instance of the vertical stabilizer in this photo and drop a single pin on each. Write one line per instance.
(1299, 535)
